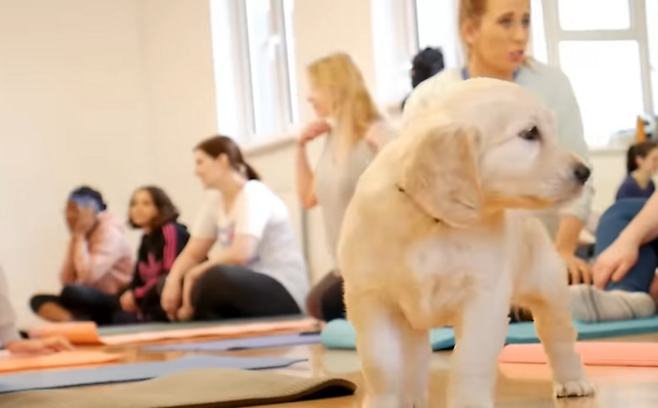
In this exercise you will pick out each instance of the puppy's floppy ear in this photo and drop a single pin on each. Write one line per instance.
(440, 172)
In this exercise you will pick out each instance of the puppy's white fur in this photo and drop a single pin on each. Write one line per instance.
(437, 234)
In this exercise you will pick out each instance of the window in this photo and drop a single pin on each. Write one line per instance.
(578, 15)
(436, 27)
(538, 32)
(652, 34)
(605, 54)
(255, 78)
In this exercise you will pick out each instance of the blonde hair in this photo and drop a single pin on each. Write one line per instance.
(473, 10)
(351, 103)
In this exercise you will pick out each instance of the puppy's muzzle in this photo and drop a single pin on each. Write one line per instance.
(581, 173)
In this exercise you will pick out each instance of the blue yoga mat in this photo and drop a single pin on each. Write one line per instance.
(242, 344)
(40, 380)
(339, 334)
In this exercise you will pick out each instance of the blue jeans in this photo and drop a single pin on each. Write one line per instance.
(611, 224)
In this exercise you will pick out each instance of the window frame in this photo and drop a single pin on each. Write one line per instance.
(637, 31)
(286, 113)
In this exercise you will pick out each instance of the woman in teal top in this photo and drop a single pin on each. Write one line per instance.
(495, 35)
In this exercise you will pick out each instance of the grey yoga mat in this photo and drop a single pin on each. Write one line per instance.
(131, 372)
(216, 388)
(242, 343)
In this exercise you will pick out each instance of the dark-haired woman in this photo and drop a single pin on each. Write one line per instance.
(152, 211)
(260, 270)
(98, 264)
(641, 166)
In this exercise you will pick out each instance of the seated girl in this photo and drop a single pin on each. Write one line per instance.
(98, 264)
(625, 284)
(9, 337)
(259, 270)
(641, 166)
(163, 240)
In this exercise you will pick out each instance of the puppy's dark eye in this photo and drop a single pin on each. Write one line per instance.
(530, 134)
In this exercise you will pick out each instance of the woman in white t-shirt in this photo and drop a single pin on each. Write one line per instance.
(260, 270)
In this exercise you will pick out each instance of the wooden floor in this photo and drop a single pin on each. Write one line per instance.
(519, 386)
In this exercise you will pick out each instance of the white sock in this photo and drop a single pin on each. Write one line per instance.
(590, 304)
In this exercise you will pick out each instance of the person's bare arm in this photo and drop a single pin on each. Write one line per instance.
(566, 239)
(305, 178)
(195, 252)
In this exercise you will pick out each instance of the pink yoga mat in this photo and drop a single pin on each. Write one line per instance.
(592, 353)
(14, 363)
(86, 333)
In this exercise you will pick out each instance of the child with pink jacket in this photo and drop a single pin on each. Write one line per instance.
(98, 265)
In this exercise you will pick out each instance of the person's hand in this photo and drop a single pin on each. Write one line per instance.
(86, 221)
(46, 345)
(127, 301)
(579, 271)
(313, 130)
(191, 277)
(170, 299)
(613, 263)
(184, 314)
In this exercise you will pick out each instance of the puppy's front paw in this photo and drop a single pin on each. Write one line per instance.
(582, 388)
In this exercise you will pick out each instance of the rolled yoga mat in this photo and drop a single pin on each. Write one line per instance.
(87, 332)
(242, 343)
(216, 388)
(339, 334)
(40, 380)
(158, 327)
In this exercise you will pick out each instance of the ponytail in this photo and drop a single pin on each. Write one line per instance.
(631, 159)
(250, 172)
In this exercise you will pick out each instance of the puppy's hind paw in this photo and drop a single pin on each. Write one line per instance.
(571, 389)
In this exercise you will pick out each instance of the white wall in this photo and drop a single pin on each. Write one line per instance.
(180, 92)
(72, 111)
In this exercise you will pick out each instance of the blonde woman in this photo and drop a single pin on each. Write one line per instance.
(354, 131)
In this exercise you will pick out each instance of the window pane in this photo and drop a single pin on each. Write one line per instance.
(436, 24)
(607, 105)
(289, 13)
(539, 49)
(594, 14)
(261, 60)
(652, 32)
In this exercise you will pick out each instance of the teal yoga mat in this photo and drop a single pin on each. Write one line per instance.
(339, 334)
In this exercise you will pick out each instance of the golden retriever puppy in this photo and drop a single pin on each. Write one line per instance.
(438, 233)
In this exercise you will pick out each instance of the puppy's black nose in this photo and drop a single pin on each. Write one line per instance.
(582, 173)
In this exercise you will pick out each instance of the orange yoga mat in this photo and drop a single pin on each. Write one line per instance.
(86, 333)
(592, 353)
(16, 362)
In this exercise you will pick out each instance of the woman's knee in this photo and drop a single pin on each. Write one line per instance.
(37, 301)
(332, 304)
(625, 210)
(71, 294)
(209, 285)
(615, 220)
